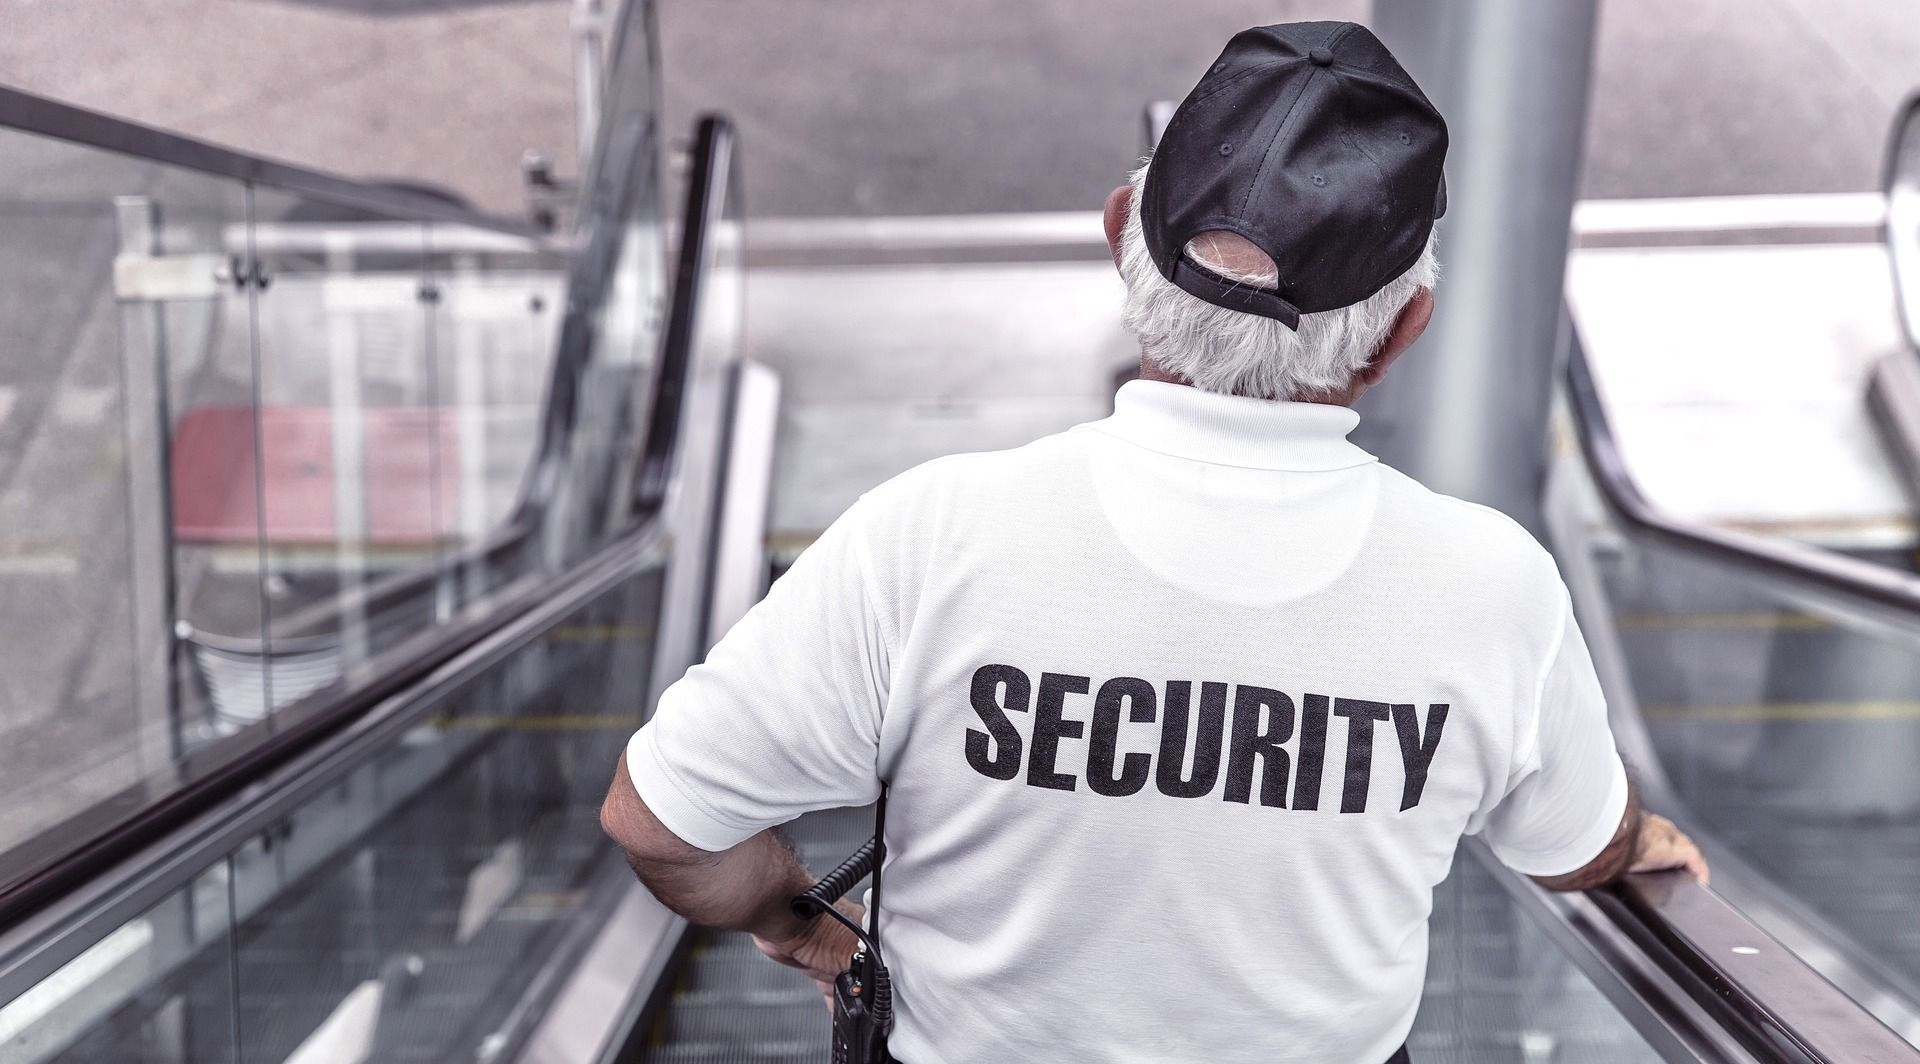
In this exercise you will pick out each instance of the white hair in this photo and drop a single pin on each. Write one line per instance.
(1231, 351)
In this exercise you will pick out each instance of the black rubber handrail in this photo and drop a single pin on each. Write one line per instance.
(28, 113)
(1888, 594)
(708, 186)
(1773, 1001)
(1769, 999)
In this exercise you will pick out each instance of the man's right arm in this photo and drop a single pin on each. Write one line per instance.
(1569, 785)
(1644, 842)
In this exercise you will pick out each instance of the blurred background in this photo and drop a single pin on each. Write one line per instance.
(395, 394)
(866, 107)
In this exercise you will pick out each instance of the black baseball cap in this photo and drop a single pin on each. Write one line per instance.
(1311, 141)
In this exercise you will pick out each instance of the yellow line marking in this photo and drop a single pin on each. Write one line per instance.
(1720, 621)
(1888, 709)
(554, 722)
(601, 631)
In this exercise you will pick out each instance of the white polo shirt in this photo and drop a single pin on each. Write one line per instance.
(1183, 711)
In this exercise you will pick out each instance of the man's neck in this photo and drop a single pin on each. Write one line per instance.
(1153, 371)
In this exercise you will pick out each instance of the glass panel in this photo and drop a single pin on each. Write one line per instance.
(351, 441)
(157, 990)
(404, 912)
(619, 283)
(617, 384)
(495, 323)
(212, 382)
(1792, 736)
(125, 351)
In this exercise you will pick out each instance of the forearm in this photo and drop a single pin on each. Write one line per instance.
(745, 888)
(1644, 842)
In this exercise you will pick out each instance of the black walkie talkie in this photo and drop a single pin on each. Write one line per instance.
(863, 994)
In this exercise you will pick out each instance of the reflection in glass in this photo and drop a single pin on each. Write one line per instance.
(350, 437)
(494, 318)
(119, 318)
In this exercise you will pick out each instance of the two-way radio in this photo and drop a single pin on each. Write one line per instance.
(863, 994)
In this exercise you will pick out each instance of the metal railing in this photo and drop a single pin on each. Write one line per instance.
(1823, 581)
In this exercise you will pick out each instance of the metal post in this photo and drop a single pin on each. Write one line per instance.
(589, 67)
(471, 379)
(1466, 410)
(149, 466)
(347, 422)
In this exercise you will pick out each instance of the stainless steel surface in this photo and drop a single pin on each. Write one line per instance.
(1902, 185)
(740, 561)
(1893, 395)
(596, 1008)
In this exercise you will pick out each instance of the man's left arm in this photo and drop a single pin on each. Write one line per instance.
(783, 717)
(744, 888)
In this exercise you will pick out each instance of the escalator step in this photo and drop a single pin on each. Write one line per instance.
(805, 1022)
(810, 1051)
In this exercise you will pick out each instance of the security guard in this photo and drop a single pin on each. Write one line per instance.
(1183, 712)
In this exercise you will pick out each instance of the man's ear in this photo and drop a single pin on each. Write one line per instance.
(1114, 218)
(1407, 328)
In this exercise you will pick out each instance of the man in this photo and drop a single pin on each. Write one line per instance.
(1183, 712)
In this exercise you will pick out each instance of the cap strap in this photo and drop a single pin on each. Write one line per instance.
(1198, 281)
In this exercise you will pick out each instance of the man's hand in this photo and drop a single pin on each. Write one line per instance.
(821, 949)
(1663, 847)
(1644, 842)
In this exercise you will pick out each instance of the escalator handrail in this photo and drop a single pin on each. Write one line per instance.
(1782, 1009)
(623, 144)
(41, 116)
(708, 187)
(1776, 1004)
(1882, 593)
(134, 869)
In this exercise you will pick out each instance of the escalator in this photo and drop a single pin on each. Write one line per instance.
(1766, 690)
(397, 857)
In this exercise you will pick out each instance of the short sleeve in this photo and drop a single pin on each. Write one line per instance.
(783, 717)
(1567, 791)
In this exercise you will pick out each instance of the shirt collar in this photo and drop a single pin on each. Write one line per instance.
(1233, 430)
